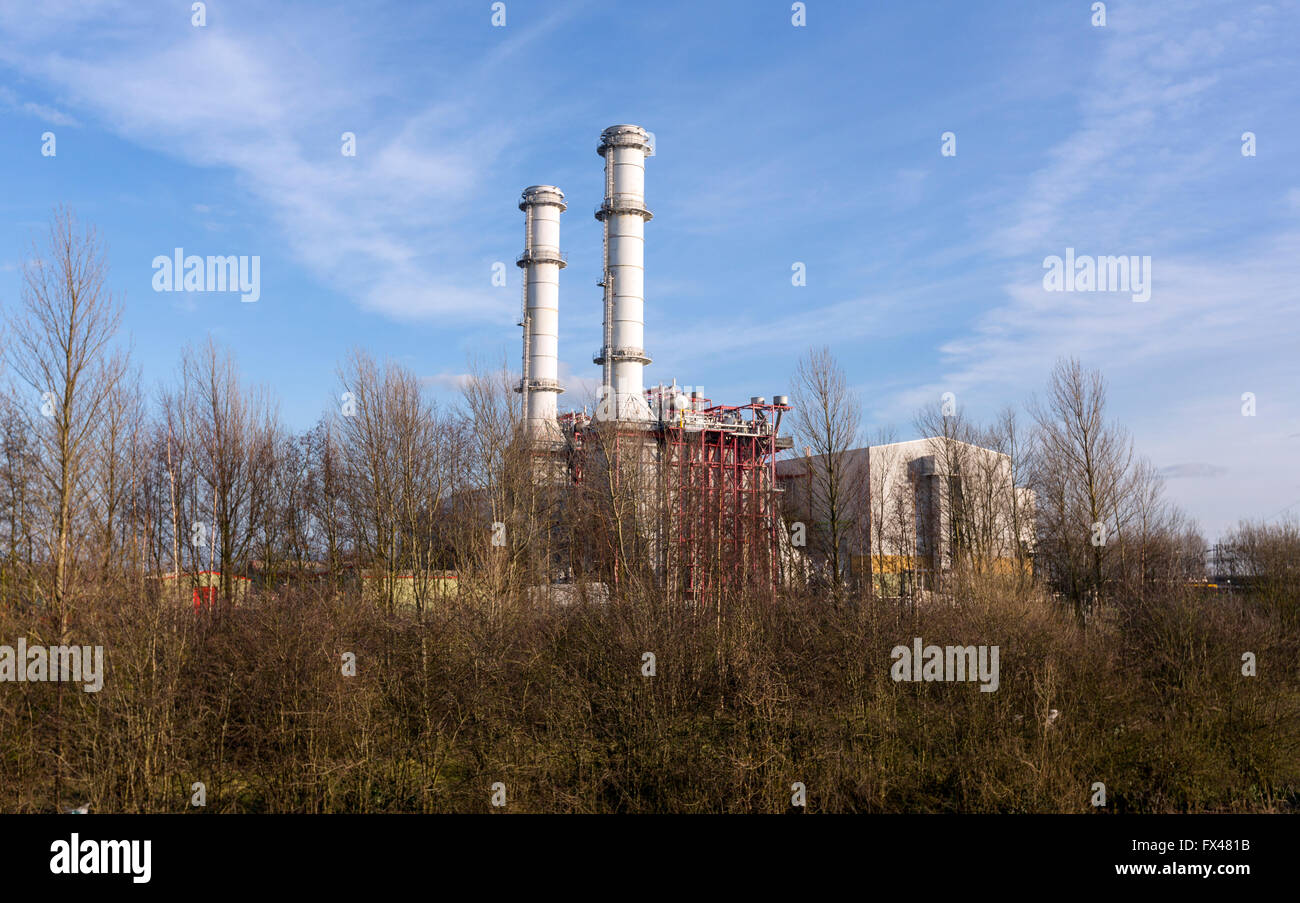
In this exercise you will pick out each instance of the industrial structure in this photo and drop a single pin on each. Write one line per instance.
(689, 492)
(686, 488)
(907, 512)
(624, 214)
(541, 263)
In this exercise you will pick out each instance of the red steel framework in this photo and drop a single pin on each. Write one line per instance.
(723, 523)
(718, 524)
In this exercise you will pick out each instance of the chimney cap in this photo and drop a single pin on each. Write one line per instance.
(625, 136)
(539, 195)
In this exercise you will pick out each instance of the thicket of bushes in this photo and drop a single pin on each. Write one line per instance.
(552, 702)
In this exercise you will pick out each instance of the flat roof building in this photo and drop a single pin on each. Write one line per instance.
(918, 508)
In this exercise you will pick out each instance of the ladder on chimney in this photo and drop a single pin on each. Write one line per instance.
(524, 319)
(607, 283)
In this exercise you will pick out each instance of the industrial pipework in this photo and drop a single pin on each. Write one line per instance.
(541, 263)
(622, 355)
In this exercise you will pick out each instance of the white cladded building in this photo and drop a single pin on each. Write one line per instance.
(913, 510)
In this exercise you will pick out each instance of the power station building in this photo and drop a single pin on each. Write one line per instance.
(687, 486)
(690, 492)
(908, 512)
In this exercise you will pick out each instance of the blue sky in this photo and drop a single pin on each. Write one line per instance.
(775, 144)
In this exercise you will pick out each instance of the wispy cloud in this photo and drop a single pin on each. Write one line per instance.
(10, 100)
(385, 226)
(448, 382)
(1192, 470)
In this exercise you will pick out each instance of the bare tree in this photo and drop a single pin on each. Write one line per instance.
(884, 563)
(974, 510)
(274, 496)
(1265, 556)
(1158, 543)
(19, 494)
(171, 477)
(1008, 436)
(395, 458)
(230, 426)
(62, 350)
(326, 494)
(950, 539)
(115, 466)
(506, 481)
(1081, 475)
(828, 421)
(901, 529)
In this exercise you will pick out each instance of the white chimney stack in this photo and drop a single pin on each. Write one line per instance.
(622, 355)
(541, 263)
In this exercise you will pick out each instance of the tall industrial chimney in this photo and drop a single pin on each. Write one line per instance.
(622, 355)
(541, 263)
